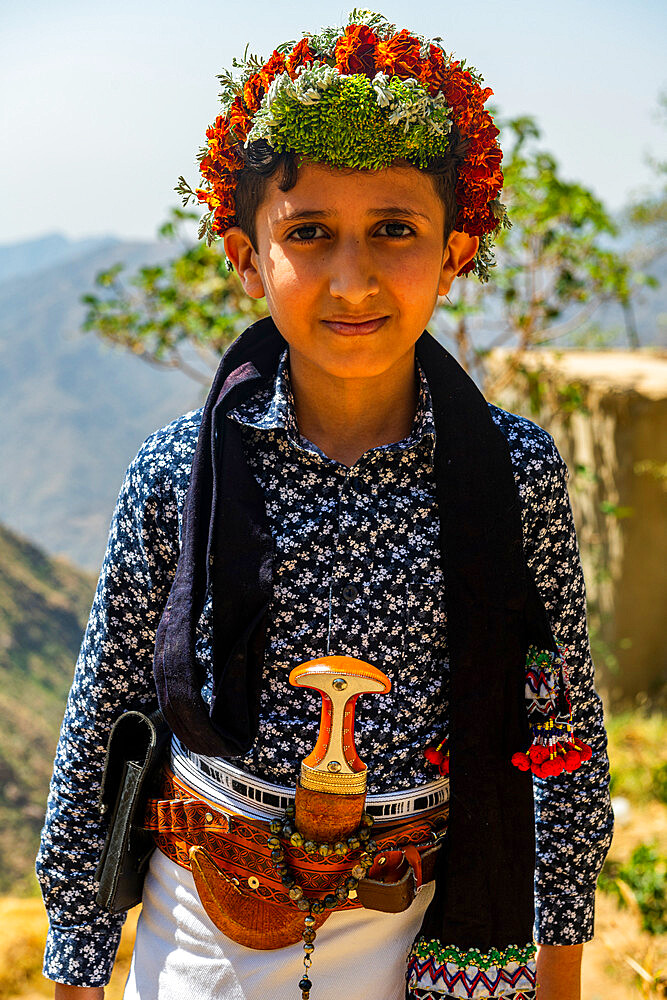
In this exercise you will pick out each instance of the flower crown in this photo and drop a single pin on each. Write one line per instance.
(363, 98)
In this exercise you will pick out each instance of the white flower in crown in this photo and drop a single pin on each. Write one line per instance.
(384, 95)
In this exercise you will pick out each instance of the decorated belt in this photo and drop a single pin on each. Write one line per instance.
(269, 866)
(180, 818)
(237, 791)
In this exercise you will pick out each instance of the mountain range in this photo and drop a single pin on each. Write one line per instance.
(44, 605)
(74, 411)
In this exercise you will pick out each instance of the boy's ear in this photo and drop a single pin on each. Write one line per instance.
(460, 249)
(243, 256)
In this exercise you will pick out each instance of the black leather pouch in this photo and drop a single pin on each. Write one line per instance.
(134, 753)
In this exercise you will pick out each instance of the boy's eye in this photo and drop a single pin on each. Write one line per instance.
(395, 229)
(304, 234)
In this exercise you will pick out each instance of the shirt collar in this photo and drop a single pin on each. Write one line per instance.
(273, 409)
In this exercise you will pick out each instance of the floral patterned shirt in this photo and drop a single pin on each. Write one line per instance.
(356, 572)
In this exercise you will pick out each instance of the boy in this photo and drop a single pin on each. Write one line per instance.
(345, 492)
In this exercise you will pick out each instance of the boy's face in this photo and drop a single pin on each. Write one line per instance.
(351, 263)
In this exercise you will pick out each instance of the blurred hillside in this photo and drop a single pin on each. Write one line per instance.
(74, 411)
(44, 605)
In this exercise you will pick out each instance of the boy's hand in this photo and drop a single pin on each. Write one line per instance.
(559, 971)
(78, 992)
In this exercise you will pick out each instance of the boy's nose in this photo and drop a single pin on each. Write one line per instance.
(353, 276)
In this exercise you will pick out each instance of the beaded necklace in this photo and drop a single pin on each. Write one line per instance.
(284, 830)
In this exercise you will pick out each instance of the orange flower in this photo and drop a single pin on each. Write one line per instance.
(399, 55)
(457, 86)
(253, 92)
(239, 119)
(468, 267)
(434, 71)
(300, 56)
(271, 69)
(356, 50)
(204, 195)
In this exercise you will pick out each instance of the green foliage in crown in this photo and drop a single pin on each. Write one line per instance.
(352, 121)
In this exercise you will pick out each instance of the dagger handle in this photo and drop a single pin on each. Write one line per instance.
(334, 766)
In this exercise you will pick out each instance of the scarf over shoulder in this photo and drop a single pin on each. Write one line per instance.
(476, 939)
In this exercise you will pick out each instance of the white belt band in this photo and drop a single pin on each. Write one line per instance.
(232, 789)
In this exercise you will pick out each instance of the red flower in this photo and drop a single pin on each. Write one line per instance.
(399, 55)
(253, 92)
(434, 71)
(219, 168)
(457, 86)
(271, 69)
(239, 119)
(300, 56)
(356, 50)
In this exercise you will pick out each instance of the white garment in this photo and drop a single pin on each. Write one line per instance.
(180, 955)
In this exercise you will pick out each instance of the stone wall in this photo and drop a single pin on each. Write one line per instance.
(608, 414)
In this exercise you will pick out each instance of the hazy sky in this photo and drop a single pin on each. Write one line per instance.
(103, 105)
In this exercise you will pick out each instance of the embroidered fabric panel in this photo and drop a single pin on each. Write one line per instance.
(114, 669)
(445, 972)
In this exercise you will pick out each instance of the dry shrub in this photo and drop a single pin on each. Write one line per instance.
(24, 925)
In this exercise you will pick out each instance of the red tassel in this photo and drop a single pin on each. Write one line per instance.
(438, 756)
(555, 748)
(584, 749)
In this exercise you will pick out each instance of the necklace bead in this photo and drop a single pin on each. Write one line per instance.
(284, 830)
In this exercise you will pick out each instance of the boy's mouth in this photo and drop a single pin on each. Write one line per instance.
(357, 327)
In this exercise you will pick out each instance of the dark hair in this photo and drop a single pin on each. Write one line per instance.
(262, 163)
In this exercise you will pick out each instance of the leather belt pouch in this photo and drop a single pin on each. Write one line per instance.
(238, 847)
(134, 753)
(409, 869)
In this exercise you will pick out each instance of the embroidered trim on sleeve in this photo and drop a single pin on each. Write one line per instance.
(438, 971)
(554, 747)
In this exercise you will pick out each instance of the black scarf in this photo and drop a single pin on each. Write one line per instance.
(484, 894)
